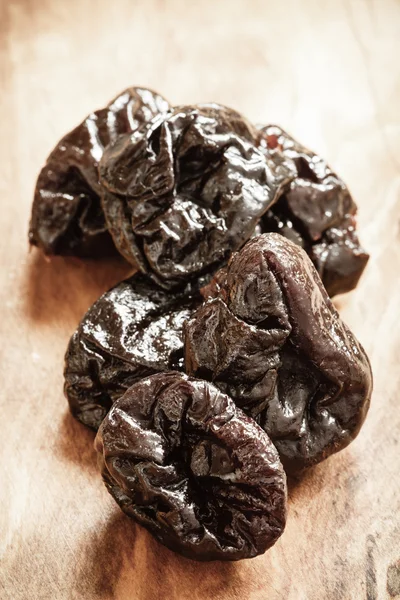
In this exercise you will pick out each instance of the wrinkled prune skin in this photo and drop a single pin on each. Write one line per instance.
(181, 459)
(132, 331)
(67, 217)
(270, 337)
(185, 191)
(316, 212)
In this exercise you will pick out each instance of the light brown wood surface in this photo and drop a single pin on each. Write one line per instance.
(326, 70)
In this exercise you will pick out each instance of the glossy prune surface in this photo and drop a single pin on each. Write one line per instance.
(132, 331)
(270, 337)
(67, 217)
(316, 212)
(188, 189)
(181, 459)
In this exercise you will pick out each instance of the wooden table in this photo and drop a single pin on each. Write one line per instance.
(328, 71)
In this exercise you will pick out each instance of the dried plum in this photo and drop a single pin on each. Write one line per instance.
(270, 337)
(66, 216)
(316, 212)
(187, 189)
(132, 331)
(181, 459)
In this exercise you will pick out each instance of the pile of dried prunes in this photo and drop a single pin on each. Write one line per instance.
(221, 365)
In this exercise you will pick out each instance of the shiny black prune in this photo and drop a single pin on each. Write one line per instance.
(67, 217)
(270, 337)
(132, 331)
(181, 459)
(316, 212)
(185, 191)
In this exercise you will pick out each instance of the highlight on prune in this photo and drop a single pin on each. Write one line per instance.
(316, 212)
(67, 217)
(181, 459)
(132, 331)
(187, 189)
(271, 339)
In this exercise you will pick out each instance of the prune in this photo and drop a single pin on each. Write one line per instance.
(187, 189)
(181, 459)
(66, 214)
(339, 258)
(317, 213)
(132, 331)
(270, 337)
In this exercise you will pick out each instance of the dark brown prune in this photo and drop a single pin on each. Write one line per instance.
(181, 459)
(317, 213)
(187, 189)
(270, 338)
(339, 258)
(67, 217)
(132, 331)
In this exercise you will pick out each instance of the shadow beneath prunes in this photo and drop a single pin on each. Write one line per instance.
(59, 288)
(298, 483)
(308, 484)
(75, 444)
(123, 553)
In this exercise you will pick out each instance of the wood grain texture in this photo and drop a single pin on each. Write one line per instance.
(326, 70)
